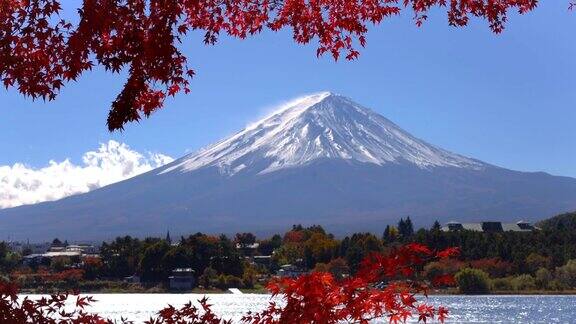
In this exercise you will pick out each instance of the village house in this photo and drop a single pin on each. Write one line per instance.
(182, 279)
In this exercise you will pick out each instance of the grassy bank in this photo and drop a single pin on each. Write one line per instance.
(118, 287)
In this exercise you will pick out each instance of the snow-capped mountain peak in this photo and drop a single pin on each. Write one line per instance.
(319, 126)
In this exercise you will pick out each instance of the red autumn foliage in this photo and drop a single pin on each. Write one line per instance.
(40, 52)
(188, 314)
(67, 275)
(46, 310)
(495, 267)
(294, 237)
(385, 286)
(92, 262)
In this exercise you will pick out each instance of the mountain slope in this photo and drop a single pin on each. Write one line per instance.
(321, 159)
(320, 126)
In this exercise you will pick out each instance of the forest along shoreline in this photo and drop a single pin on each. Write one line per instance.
(539, 260)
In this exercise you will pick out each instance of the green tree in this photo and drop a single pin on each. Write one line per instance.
(8, 259)
(289, 253)
(390, 234)
(543, 278)
(436, 227)
(249, 277)
(208, 278)
(121, 257)
(566, 274)
(204, 248)
(360, 246)
(245, 239)
(473, 281)
(319, 248)
(178, 257)
(405, 228)
(524, 282)
(151, 266)
(227, 260)
(267, 247)
(535, 261)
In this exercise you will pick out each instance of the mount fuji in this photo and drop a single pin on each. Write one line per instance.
(321, 159)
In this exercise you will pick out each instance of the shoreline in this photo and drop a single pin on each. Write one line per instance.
(265, 292)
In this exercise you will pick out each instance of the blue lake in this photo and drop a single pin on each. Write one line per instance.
(463, 309)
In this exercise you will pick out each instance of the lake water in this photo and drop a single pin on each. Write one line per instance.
(463, 309)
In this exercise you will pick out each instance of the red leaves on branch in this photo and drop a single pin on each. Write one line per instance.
(46, 310)
(188, 314)
(448, 253)
(384, 287)
(39, 52)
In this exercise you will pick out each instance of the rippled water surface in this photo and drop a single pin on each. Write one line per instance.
(463, 309)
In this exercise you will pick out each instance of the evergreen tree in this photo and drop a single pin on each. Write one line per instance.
(389, 234)
(297, 227)
(409, 227)
(405, 228)
(402, 227)
(436, 226)
(276, 241)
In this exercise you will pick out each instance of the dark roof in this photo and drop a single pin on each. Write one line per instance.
(490, 226)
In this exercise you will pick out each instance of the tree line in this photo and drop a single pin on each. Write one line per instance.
(220, 261)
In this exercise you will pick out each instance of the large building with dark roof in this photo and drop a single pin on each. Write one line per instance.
(490, 227)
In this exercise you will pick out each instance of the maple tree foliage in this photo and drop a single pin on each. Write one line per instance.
(384, 287)
(40, 52)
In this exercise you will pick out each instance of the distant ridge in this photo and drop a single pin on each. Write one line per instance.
(321, 159)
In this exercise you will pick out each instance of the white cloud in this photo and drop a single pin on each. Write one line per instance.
(112, 162)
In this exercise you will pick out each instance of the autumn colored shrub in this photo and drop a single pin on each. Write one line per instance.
(442, 267)
(495, 267)
(294, 237)
(70, 275)
(91, 266)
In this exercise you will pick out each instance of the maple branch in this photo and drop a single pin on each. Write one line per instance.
(39, 51)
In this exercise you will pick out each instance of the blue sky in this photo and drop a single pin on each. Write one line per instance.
(507, 99)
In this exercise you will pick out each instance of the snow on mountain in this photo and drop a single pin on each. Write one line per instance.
(321, 159)
(319, 126)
